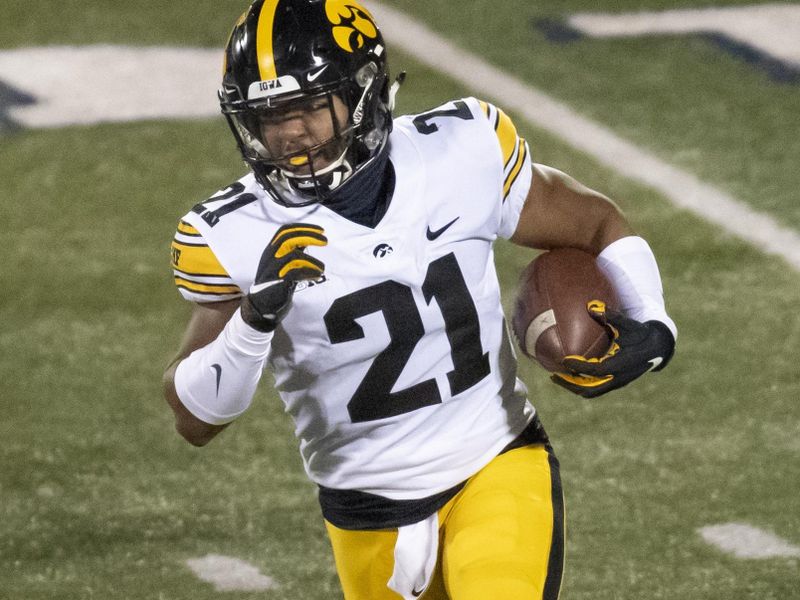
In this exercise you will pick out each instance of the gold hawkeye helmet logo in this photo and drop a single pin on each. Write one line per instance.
(352, 23)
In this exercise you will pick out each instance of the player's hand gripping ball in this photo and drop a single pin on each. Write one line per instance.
(283, 264)
(567, 319)
(550, 318)
(636, 348)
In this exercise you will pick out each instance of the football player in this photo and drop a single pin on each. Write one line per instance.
(355, 261)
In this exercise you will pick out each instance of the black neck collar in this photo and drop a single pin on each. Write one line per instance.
(366, 197)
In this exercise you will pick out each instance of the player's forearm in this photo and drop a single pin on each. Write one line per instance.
(192, 429)
(213, 385)
(631, 267)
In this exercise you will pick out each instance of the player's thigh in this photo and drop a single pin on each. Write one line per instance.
(504, 537)
(365, 561)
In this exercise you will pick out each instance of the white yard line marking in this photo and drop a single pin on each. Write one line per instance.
(772, 28)
(229, 574)
(746, 541)
(93, 84)
(681, 188)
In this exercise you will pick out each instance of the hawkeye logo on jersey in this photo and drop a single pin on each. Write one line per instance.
(271, 87)
(382, 250)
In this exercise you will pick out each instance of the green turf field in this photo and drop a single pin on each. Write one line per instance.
(99, 497)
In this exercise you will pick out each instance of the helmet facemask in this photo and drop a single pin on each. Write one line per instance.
(304, 146)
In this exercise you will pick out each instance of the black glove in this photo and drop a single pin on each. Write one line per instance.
(282, 265)
(636, 348)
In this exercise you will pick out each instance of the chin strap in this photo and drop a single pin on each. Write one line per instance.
(401, 77)
(323, 182)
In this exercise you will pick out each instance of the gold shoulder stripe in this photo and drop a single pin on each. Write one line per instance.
(484, 107)
(512, 176)
(206, 288)
(507, 134)
(199, 276)
(195, 259)
(186, 229)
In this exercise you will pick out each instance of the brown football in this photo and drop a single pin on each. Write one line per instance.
(550, 318)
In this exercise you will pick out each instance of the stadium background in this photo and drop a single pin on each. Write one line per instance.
(99, 498)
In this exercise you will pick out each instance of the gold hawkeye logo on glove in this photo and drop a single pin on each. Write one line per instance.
(284, 263)
(290, 239)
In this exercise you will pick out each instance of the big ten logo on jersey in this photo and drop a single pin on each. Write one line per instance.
(308, 283)
(176, 256)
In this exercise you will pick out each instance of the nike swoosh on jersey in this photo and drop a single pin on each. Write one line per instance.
(416, 593)
(218, 371)
(433, 234)
(312, 76)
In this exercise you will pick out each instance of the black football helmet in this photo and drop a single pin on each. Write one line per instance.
(288, 59)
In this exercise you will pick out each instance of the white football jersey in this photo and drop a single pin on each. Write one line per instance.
(397, 368)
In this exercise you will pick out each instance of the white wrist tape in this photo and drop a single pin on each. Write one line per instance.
(631, 267)
(216, 383)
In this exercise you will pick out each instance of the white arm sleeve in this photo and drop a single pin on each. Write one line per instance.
(216, 383)
(631, 267)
